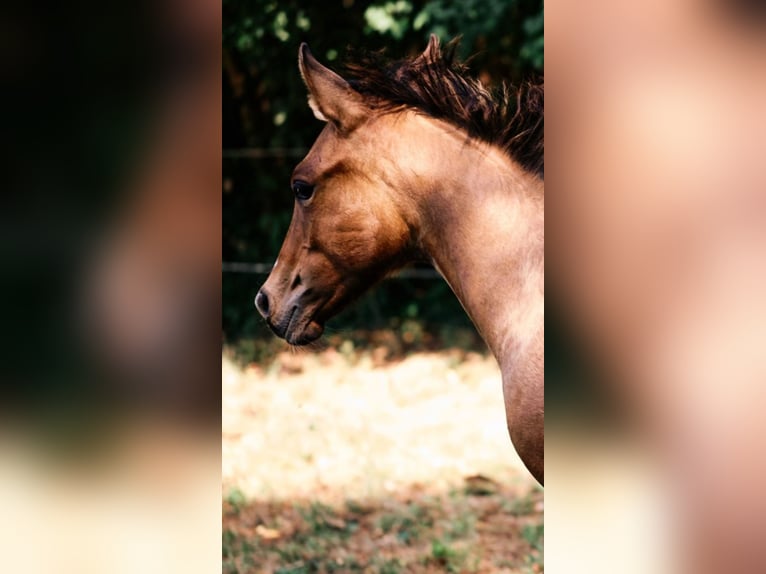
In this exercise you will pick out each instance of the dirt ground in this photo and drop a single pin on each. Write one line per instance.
(348, 461)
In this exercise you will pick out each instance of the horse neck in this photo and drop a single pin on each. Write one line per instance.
(481, 224)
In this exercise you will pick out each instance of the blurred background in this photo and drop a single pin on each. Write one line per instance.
(382, 448)
(656, 274)
(110, 291)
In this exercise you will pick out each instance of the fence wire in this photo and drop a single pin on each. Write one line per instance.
(263, 153)
(265, 269)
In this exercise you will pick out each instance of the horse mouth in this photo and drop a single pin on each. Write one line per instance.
(296, 330)
(311, 333)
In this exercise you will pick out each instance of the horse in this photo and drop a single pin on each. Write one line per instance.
(418, 161)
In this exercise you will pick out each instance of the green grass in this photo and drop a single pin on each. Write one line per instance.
(534, 535)
(462, 526)
(452, 559)
(238, 553)
(413, 534)
(235, 497)
(390, 566)
(407, 523)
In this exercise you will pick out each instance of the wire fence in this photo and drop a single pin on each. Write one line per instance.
(265, 269)
(263, 153)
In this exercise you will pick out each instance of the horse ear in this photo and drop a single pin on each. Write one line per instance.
(432, 49)
(331, 98)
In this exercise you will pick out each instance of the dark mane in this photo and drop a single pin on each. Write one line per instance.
(436, 83)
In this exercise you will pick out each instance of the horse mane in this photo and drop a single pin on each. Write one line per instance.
(436, 83)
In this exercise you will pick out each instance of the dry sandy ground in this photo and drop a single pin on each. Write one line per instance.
(323, 425)
(348, 462)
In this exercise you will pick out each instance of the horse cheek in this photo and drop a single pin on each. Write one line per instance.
(350, 251)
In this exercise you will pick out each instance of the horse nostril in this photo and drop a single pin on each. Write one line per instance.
(262, 303)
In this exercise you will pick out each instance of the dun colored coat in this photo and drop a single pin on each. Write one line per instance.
(417, 161)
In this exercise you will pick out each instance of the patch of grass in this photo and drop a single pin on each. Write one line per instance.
(391, 566)
(355, 507)
(419, 534)
(524, 505)
(346, 566)
(408, 530)
(387, 522)
(229, 540)
(290, 552)
(236, 498)
(406, 525)
(534, 535)
(237, 553)
(462, 526)
(519, 506)
(452, 559)
(441, 551)
(323, 521)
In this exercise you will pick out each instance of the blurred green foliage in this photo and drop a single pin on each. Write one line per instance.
(265, 108)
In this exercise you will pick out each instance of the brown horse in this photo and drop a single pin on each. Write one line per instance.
(417, 161)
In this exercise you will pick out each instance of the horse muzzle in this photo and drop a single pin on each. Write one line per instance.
(292, 320)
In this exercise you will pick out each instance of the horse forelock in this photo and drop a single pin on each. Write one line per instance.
(436, 83)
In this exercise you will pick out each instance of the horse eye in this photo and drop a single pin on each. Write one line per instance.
(302, 190)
